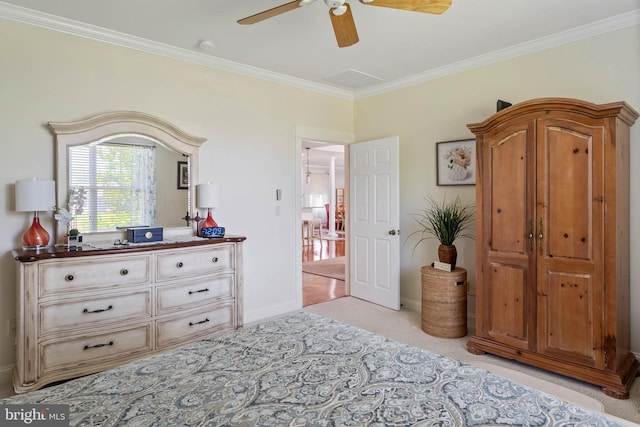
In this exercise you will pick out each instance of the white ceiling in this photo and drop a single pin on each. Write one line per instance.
(299, 48)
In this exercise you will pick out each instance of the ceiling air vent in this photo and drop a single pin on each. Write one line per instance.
(353, 79)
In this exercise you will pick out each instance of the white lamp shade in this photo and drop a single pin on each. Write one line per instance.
(35, 195)
(208, 195)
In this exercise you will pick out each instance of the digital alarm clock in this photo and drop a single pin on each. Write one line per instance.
(210, 232)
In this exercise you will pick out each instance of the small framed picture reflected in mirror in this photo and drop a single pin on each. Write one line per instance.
(183, 175)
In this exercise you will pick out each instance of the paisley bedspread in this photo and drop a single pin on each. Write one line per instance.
(304, 370)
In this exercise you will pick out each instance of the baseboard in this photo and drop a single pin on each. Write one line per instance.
(267, 312)
(411, 304)
(6, 386)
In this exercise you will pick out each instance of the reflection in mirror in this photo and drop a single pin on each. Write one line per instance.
(125, 167)
(125, 181)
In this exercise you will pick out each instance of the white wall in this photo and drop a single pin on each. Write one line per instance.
(600, 69)
(251, 149)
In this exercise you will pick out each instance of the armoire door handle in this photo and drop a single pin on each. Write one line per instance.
(540, 237)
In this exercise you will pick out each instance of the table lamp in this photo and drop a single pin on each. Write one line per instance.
(35, 195)
(208, 196)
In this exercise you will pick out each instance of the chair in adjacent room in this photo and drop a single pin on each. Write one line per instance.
(311, 227)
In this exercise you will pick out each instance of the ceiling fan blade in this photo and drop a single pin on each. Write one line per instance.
(436, 7)
(270, 13)
(344, 27)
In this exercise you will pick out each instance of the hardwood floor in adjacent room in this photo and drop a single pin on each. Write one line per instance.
(317, 289)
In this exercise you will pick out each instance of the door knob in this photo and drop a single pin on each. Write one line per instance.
(394, 232)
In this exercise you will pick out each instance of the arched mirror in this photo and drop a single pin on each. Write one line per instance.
(124, 169)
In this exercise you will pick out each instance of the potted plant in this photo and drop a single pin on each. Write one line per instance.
(445, 221)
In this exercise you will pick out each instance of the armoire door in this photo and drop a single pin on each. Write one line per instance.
(508, 294)
(569, 239)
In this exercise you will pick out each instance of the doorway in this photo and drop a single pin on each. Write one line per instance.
(323, 221)
(321, 277)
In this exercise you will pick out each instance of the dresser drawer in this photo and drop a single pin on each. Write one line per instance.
(194, 262)
(197, 324)
(94, 311)
(182, 296)
(93, 273)
(94, 348)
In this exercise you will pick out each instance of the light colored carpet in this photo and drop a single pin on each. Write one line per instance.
(332, 267)
(404, 326)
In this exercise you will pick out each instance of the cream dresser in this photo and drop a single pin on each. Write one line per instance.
(85, 311)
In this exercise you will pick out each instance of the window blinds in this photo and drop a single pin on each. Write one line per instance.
(119, 182)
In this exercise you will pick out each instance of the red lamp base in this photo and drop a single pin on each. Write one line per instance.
(209, 222)
(36, 237)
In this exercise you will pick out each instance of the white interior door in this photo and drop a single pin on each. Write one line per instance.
(374, 221)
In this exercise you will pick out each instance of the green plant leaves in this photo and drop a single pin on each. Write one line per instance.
(445, 221)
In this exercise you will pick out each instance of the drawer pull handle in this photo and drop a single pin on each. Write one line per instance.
(69, 277)
(124, 272)
(214, 259)
(198, 323)
(180, 264)
(100, 310)
(87, 347)
(199, 290)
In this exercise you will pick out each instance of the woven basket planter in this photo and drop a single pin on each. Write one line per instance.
(444, 302)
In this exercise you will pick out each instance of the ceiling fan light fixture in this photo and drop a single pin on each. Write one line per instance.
(305, 2)
(366, 1)
(338, 11)
(334, 4)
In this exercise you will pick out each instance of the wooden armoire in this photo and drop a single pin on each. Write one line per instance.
(552, 222)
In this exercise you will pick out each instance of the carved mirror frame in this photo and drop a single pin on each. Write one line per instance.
(115, 124)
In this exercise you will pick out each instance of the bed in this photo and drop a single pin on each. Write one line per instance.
(302, 369)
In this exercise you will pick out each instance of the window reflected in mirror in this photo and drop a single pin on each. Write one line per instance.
(119, 183)
(120, 180)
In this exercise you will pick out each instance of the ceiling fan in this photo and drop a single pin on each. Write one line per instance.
(341, 18)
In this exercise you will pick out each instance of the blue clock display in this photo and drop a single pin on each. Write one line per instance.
(210, 232)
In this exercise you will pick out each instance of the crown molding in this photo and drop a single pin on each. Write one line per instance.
(44, 20)
(579, 33)
(69, 26)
